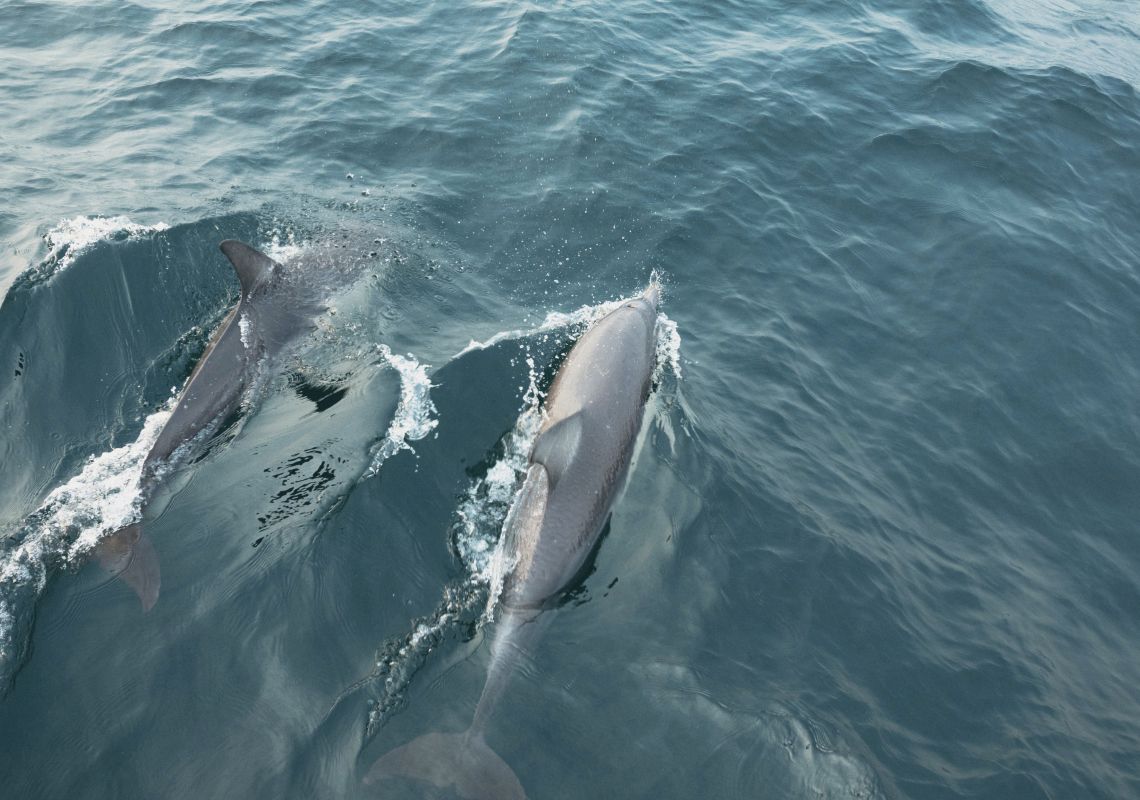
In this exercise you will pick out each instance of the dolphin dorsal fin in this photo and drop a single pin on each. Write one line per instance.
(252, 266)
(556, 447)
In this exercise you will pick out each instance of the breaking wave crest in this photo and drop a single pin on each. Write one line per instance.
(415, 413)
(72, 236)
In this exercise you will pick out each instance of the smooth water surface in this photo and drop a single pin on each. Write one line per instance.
(881, 537)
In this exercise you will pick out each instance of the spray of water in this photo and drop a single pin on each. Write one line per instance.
(415, 415)
(72, 236)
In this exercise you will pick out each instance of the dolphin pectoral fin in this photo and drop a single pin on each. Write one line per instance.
(461, 761)
(129, 555)
(556, 447)
(252, 266)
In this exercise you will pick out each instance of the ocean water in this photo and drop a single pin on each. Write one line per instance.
(882, 535)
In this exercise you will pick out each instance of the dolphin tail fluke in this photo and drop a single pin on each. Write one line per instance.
(461, 761)
(129, 555)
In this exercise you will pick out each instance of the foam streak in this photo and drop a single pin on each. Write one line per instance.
(415, 413)
(72, 236)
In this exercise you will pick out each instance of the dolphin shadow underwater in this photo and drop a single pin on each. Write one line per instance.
(577, 465)
(267, 318)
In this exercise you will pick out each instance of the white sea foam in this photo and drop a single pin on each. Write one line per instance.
(415, 413)
(244, 330)
(283, 245)
(105, 496)
(72, 236)
(668, 348)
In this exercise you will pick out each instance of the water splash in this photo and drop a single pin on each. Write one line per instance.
(244, 326)
(415, 413)
(105, 496)
(72, 236)
(283, 245)
(668, 356)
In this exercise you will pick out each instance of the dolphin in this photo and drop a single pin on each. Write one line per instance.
(577, 465)
(265, 319)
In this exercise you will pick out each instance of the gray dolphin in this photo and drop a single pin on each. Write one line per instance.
(577, 465)
(259, 326)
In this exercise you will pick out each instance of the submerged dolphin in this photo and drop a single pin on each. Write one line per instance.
(577, 465)
(257, 328)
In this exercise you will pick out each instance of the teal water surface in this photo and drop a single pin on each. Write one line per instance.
(881, 537)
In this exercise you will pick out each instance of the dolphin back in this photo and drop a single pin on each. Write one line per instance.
(462, 762)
